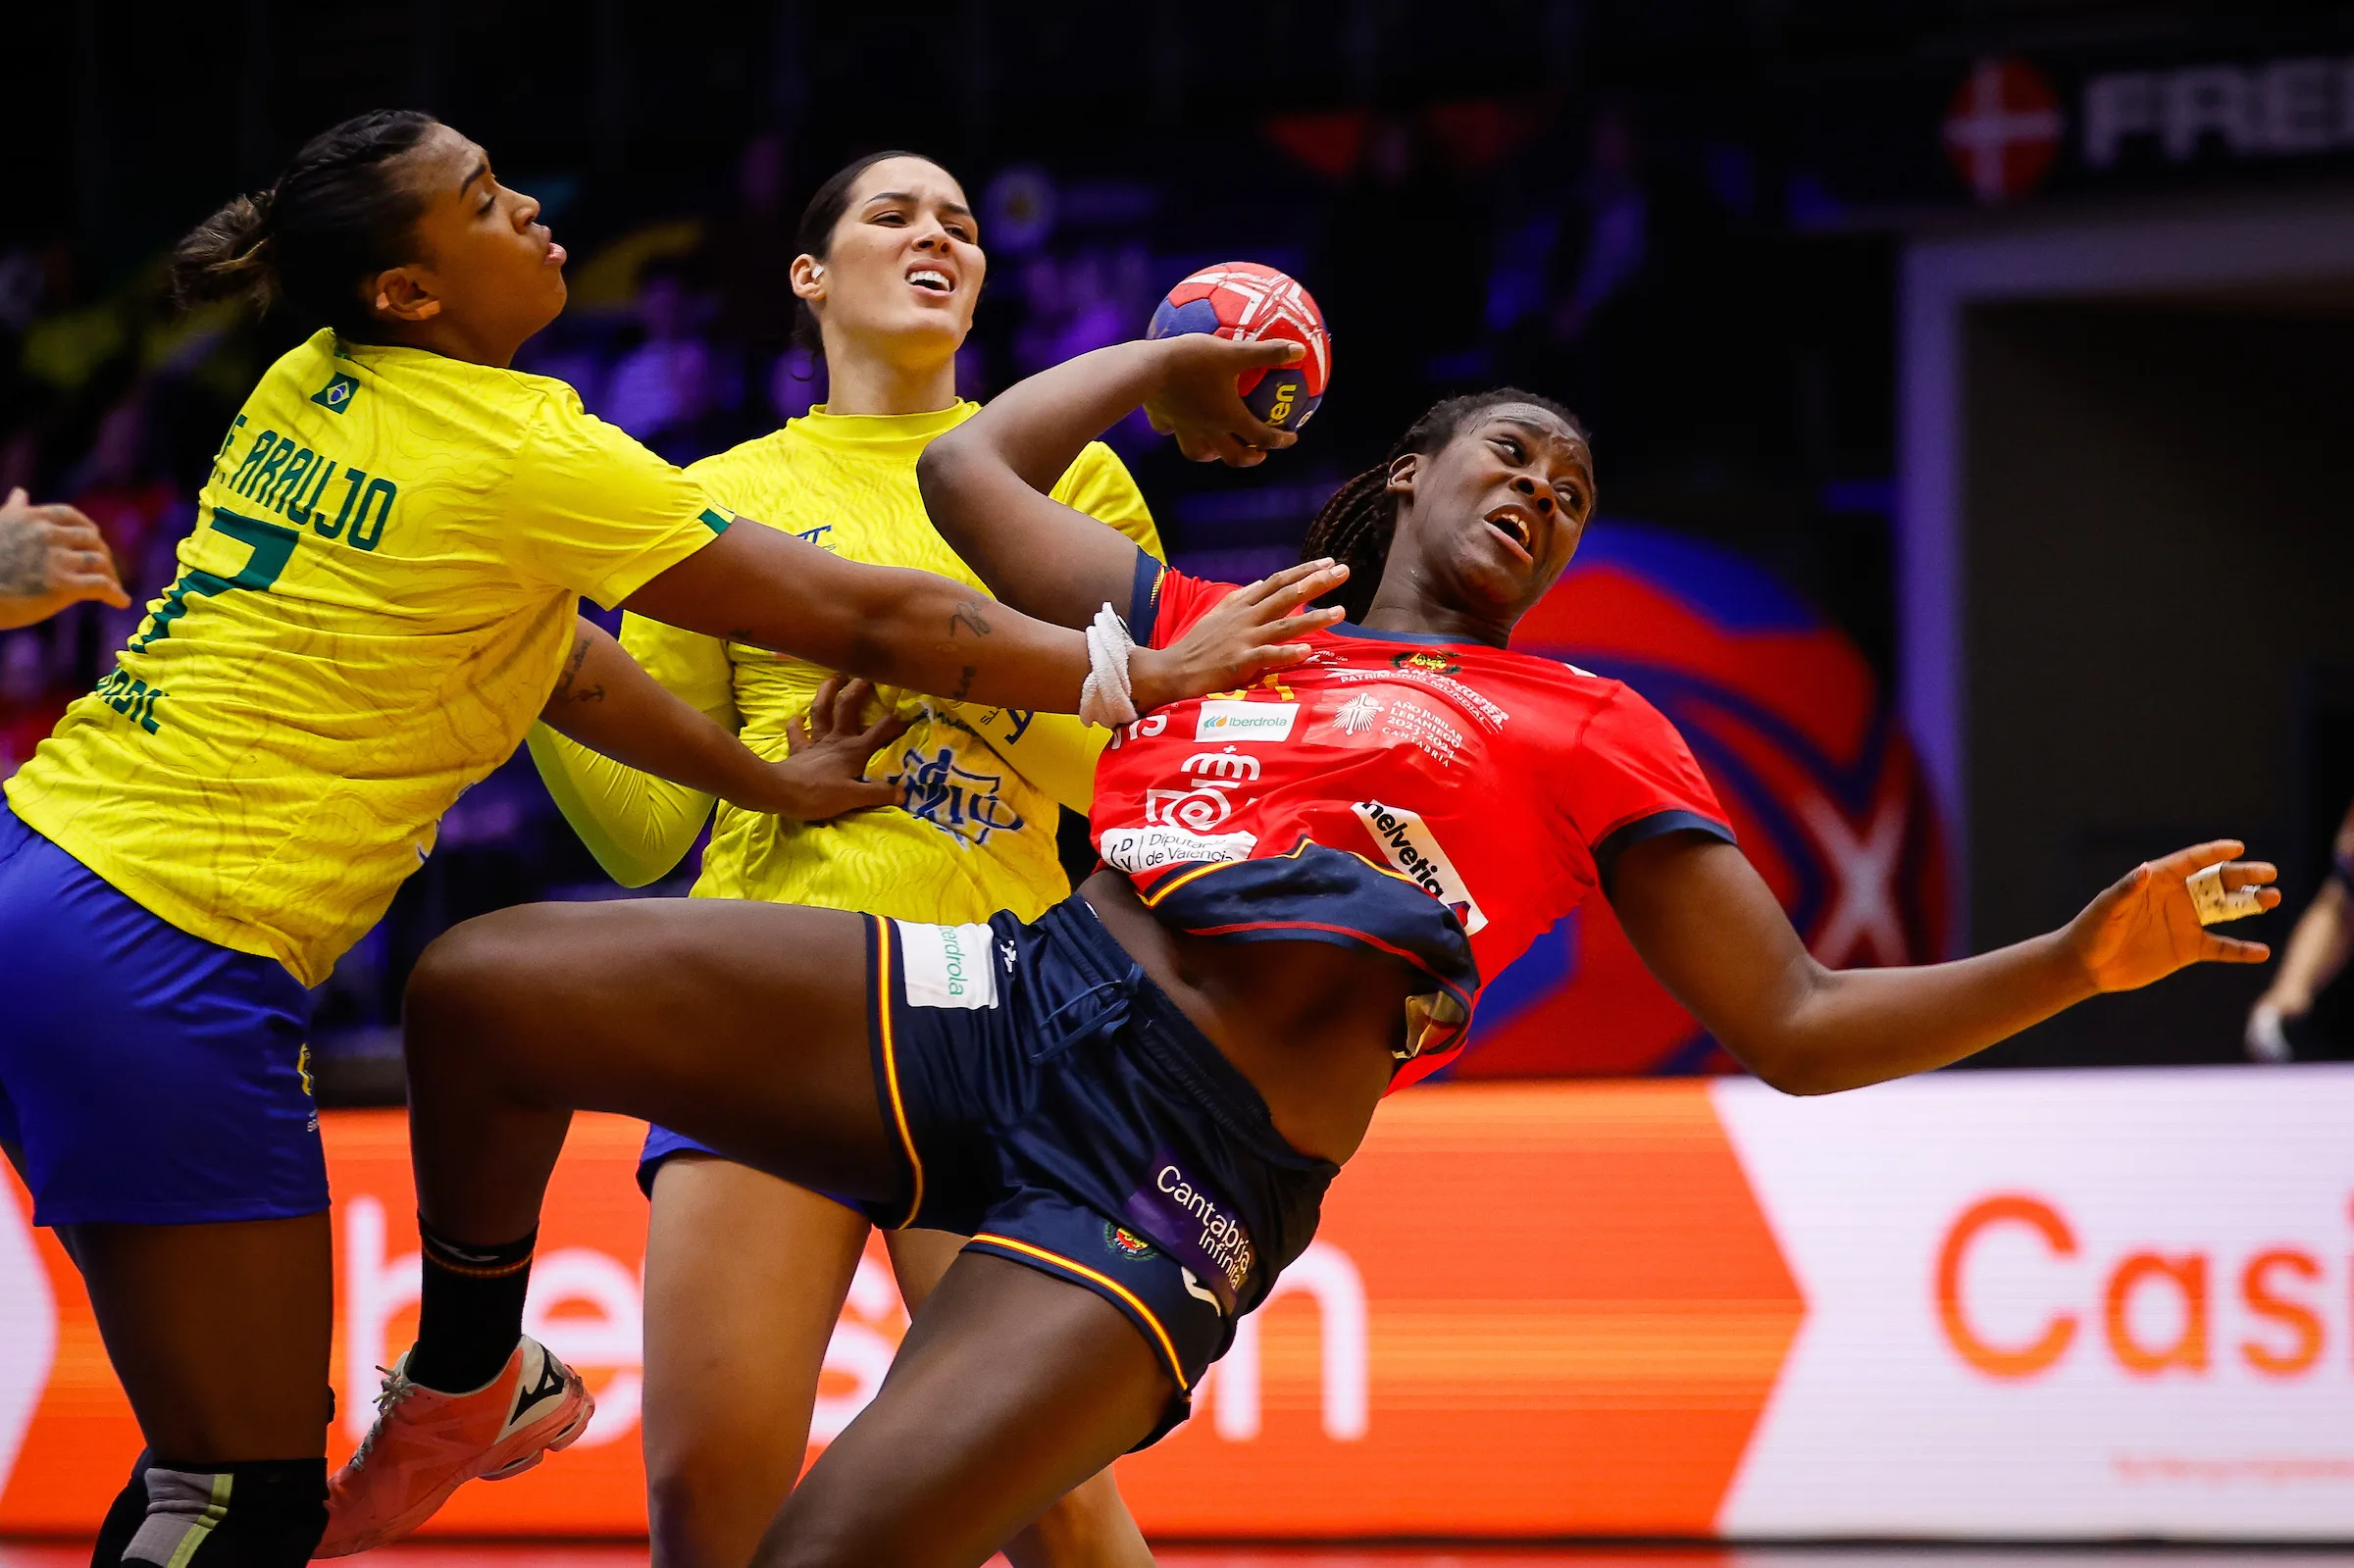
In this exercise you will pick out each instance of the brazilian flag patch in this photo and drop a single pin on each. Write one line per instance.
(336, 395)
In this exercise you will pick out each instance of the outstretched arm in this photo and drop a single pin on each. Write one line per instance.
(910, 628)
(1707, 927)
(985, 483)
(606, 701)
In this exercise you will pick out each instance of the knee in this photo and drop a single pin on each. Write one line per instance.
(705, 1512)
(678, 1520)
(466, 977)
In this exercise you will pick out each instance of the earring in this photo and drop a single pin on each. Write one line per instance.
(384, 301)
(431, 307)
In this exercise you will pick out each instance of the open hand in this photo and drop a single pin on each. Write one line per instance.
(1197, 401)
(828, 749)
(2144, 926)
(50, 557)
(1249, 631)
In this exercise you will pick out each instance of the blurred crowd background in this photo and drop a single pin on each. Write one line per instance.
(1686, 219)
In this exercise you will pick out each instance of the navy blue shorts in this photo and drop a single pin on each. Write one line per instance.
(1055, 1106)
(149, 1076)
(661, 1143)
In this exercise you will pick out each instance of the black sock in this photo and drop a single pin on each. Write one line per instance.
(471, 1313)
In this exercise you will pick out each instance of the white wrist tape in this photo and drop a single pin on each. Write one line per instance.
(1104, 696)
(2217, 903)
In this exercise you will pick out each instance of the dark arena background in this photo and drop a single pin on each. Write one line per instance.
(1968, 382)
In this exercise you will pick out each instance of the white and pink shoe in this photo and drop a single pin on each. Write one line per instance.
(426, 1444)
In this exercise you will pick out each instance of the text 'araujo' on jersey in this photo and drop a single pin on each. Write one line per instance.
(381, 583)
(1442, 802)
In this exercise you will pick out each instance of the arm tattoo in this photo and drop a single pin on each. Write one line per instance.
(965, 685)
(24, 558)
(571, 668)
(968, 616)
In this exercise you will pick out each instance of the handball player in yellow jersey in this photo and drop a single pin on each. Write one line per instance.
(744, 1273)
(376, 600)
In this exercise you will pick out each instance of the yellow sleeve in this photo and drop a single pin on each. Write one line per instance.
(590, 510)
(691, 665)
(1100, 484)
(1055, 750)
(637, 827)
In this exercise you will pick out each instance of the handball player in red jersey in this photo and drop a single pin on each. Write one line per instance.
(1133, 1105)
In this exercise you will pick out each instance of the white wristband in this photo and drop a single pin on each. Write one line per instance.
(2217, 903)
(1105, 697)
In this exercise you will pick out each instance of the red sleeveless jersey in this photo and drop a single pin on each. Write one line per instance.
(1442, 802)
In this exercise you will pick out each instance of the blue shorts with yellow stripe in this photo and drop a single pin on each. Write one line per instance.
(1055, 1106)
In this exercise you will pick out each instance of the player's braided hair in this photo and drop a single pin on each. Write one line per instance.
(338, 213)
(1356, 524)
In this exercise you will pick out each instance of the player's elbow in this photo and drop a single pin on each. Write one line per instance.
(880, 646)
(943, 475)
(1801, 1081)
(1787, 1066)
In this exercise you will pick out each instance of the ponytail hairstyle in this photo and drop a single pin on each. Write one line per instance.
(1356, 526)
(338, 213)
(815, 236)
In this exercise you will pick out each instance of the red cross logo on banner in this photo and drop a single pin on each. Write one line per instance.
(2003, 128)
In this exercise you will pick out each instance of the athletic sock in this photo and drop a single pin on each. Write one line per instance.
(471, 1313)
(252, 1513)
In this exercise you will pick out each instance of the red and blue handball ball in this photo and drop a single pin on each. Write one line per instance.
(1249, 303)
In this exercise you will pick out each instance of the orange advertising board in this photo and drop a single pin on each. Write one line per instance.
(2107, 1305)
(1570, 1313)
(1568, 1280)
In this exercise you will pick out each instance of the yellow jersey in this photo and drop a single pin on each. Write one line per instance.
(978, 832)
(372, 610)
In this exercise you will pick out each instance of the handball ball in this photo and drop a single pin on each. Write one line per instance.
(1248, 302)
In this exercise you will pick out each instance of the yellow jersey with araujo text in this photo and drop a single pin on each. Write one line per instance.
(975, 835)
(373, 608)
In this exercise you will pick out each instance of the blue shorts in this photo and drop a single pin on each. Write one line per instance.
(1055, 1106)
(149, 1076)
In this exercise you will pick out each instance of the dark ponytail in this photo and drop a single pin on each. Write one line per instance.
(225, 255)
(1356, 526)
(340, 213)
(815, 236)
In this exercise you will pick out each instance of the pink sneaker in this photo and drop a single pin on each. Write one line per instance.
(426, 1444)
